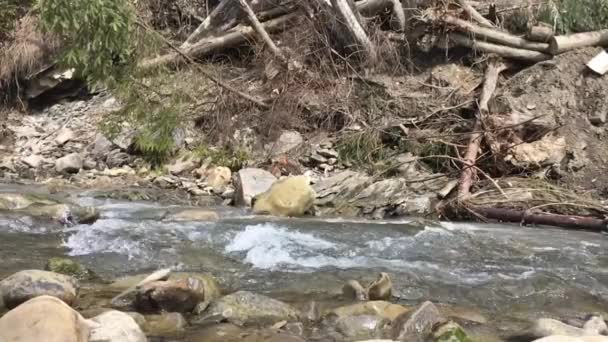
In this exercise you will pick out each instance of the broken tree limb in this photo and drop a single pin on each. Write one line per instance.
(525, 217)
(257, 26)
(540, 33)
(350, 21)
(210, 45)
(472, 12)
(494, 35)
(500, 50)
(560, 44)
(398, 21)
(205, 73)
(489, 85)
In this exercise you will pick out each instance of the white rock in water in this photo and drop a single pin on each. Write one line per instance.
(72, 163)
(116, 326)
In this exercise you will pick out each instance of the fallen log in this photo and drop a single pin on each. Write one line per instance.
(472, 12)
(525, 217)
(494, 35)
(469, 171)
(208, 46)
(257, 26)
(348, 17)
(560, 44)
(500, 50)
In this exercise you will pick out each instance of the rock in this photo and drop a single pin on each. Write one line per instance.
(317, 158)
(165, 182)
(450, 332)
(287, 141)
(69, 268)
(354, 290)
(183, 165)
(72, 163)
(418, 324)
(126, 299)
(43, 206)
(116, 326)
(291, 196)
(117, 158)
(361, 326)
(544, 327)
(165, 324)
(180, 295)
(89, 164)
(138, 318)
(383, 309)
(101, 146)
(33, 160)
(381, 288)
(63, 136)
(544, 152)
(218, 178)
(328, 153)
(243, 308)
(25, 285)
(193, 215)
(125, 139)
(44, 318)
(596, 325)
(558, 338)
(250, 182)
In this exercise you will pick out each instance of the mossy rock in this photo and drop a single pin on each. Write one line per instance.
(71, 268)
(451, 332)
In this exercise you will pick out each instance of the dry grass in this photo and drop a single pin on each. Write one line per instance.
(29, 51)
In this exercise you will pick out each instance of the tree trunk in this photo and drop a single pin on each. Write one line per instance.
(560, 44)
(524, 217)
(503, 51)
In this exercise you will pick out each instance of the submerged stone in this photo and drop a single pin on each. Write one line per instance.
(70, 268)
(25, 285)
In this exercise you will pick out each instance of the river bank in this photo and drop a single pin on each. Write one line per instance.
(494, 280)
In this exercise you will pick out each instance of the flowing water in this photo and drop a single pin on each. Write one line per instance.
(508, 272)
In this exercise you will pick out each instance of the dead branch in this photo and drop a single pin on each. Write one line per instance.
(524, 217)
(204, 72)
(257, 26)
(494, 35)
(540, 33)
(560, 44)
(472, 12)
(398, 20)
(500, 50)
(349, 19)
(489, 85)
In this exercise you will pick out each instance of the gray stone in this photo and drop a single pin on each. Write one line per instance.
(33, 160)
(125, 139)
(287, 141)
(250, 182)
(418, 324)
(183, 165)
(328, 153)
(72, 163)
(117, 158)
(317, 158)
(24, 285)
(361, 326)
(89, 164)
(243, 308)
(116, 326)
(101, 146)
(164, 324)
(63, 136)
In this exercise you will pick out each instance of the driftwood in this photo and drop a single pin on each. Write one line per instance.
(489, 85)
(257, 26)
(500, 50)
(525, 217)
(560, 44)
(494, 35)
(540, 33)
(472, 12)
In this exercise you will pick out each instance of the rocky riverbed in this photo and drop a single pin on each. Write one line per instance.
(154, 271)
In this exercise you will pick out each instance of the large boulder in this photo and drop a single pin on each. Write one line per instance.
(43, 206)
(44, 318)
(25, 285)
(116, 326)
(418, 324)
(218, 178)
(244, 308)
(287, 141)
(544, 327)
(72, 163)
(180, 295)
(291, 196)
(250, 182)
